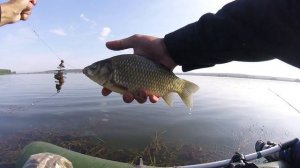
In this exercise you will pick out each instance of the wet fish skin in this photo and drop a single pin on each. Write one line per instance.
(131, 72)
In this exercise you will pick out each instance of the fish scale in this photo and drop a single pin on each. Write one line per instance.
(138, 77)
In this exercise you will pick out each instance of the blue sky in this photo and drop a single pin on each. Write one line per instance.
(77, 32)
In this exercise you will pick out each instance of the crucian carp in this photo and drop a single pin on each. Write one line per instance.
(130, 72)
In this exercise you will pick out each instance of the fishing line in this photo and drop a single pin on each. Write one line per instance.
(284, 100)
(38, 36)
(39, 100)
(48, 46)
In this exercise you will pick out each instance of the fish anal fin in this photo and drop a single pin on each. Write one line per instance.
(187, 93)
(168, 99)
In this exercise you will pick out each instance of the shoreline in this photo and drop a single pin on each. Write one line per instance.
(244, 76)
(229, 75)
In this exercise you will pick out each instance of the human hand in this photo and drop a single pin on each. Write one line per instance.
(16, 10)
(128, 97)
(147, 46)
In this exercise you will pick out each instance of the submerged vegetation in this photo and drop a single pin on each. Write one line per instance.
(156, 153)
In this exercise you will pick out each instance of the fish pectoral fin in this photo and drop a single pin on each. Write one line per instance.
(168, 99)
(187, 93)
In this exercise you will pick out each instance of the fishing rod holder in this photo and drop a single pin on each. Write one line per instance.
(239, 161)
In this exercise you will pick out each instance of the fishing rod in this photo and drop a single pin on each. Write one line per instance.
(249, 157)
(284, 100)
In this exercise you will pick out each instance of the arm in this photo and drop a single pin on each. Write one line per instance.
(244, 30)
(15, 10)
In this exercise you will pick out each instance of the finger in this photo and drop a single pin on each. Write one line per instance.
(106, 92)
(24, 16)
(128, 97)
(123, 43)
(153, 98)
(141, 97)
(33, 2)
(28, 8)
(26, 12)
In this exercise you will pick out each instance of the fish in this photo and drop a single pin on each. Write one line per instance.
(130, 72)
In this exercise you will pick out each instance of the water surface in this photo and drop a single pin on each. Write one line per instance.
(229, 114)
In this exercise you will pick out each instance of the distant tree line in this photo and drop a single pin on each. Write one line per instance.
(6, 71)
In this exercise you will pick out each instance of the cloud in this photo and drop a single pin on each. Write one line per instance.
(86, 19)
(104, 33)
(59, 32)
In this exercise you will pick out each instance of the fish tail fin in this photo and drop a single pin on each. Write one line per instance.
(187, 92)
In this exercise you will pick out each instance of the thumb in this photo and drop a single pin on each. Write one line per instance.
(121, 44)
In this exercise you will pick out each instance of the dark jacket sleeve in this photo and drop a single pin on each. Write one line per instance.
(0, 13)
(243, 30)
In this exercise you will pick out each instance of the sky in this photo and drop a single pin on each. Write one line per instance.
(76, 31)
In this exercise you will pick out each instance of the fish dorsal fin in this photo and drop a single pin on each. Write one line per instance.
(168, 99)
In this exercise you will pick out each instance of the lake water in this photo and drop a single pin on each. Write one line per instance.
(229, 114)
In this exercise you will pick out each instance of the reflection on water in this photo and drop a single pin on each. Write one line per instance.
(229, 114)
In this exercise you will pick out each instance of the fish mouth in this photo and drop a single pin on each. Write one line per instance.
(84, 71)
(87, 72)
